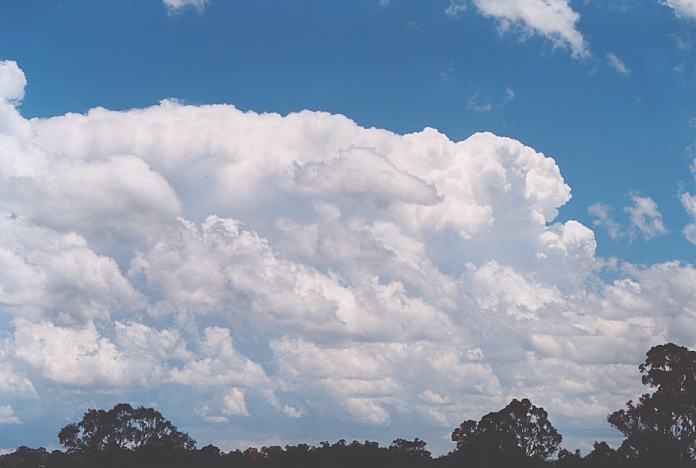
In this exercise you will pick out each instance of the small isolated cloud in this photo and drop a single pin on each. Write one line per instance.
(681, 43)
(602, 213)
(7, 415)
(234, 403)
(689, 203)
(682, 8)
(476, 106)
(553, 19)
(176, 5)
(448, 75)
(455, 8)
(204, 414)
(617, 64)
(645, 217)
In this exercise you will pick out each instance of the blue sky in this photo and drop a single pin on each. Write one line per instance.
(605, 89)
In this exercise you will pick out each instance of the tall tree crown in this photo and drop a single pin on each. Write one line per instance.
(519, 425)
(666, 418)
(123, 427)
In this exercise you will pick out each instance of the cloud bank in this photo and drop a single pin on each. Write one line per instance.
(304, 268)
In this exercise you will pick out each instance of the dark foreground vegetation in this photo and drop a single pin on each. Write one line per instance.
(659, 430)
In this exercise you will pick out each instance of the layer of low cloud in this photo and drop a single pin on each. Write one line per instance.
(304, 267)
(554, 20)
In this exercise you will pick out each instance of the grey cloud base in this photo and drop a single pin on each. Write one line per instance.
(306, 268)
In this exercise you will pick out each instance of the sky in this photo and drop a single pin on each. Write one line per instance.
(294, 221)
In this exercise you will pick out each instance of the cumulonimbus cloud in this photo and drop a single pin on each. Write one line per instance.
(302, 266)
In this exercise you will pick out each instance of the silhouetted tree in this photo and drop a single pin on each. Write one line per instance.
(123, 427)
(519, 425)
(568, 459)
(411, 448)
(662, 424)
(602, 456)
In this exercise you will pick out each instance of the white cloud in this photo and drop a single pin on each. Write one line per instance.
(47, 274)
(383, 183)
(234, 403)
(682, 8)
(12, 81)
(553, 19)
(323, 269)
(367, 410)
(645, 217)
(455, 8)
(219, 363)
(13, 382)
(617, 64)
(69, 356)
(689, 203)
(175, 5)
(478, 107)
(602, 213)
(7, 415)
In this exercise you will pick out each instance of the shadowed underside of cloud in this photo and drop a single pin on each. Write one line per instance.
(302, 266)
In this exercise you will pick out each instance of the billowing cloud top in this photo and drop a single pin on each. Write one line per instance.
(302, 266)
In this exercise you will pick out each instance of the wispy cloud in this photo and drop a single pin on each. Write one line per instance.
(617, 64)
(602, 213)
(176, 5)
(476, 105)
(644, 217)
(682, 8)
(688, 201)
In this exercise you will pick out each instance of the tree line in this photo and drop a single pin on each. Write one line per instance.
(659, 431)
